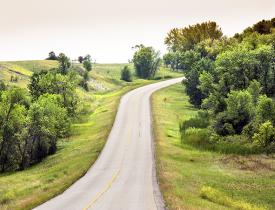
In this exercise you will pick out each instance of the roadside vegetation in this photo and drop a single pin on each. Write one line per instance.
(195, 178)
(215, 133)
(63, 111)
(232, 82)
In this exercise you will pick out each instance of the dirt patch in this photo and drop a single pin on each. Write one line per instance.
(250, 162)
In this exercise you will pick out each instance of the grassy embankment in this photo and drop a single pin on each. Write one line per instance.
(26, 189)
(197, 179)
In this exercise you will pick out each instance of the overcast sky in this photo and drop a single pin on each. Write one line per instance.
(107, 29)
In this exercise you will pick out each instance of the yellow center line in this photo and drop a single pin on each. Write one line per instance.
(114, 177)
(108, 186)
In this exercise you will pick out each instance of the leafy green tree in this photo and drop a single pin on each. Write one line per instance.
(265, 55)
(237, 64)
(239, 112)
(13, 105)
(87, 65)
(64, 63)
(84, 81)
(55, 83)
(265, 109)
(266, 134)
(146, 61)
(206, 81)
(254, 89)
(186, 38)
(192, 88)
(239, 108)
(48, 121)
(126, 74)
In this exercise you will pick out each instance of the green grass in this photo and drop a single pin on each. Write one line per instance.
(26, 189)
(195, 179)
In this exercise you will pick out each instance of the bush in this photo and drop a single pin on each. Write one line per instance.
(266, 134)
(199, 121)
(126, 74)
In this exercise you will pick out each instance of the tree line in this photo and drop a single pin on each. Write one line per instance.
(232, 80)
(32, 121)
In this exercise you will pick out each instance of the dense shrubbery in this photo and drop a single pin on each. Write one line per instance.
(233, 79)
(31, 123)
(126, 74)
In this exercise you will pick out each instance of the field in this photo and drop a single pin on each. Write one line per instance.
(104, 77)
(26, 189)
(198, 179)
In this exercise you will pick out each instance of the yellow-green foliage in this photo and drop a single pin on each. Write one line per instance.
(218, 197)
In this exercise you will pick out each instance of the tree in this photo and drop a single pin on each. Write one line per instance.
(87, 65)
(206, 83)
(80, 59)
(64, 63)
(266, 134)
(48, 122)
(191, 88)
(13, 106)
(52, 56)
(240, 109)
(55, 83)
(84, 81)
(254, 89)
(236, 64)
(265, 109)
(126, 74)
(146, 61)
(265, 55)
(88, 57)
(186, 38)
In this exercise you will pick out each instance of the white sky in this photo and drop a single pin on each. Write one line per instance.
(107, 29)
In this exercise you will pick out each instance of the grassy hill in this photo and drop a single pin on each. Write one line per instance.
(104, 77)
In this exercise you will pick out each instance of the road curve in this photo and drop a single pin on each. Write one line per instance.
(123, 177)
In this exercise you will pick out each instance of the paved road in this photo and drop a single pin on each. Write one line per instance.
(123, 177)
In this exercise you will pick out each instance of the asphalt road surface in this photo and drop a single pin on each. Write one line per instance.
(123, 177)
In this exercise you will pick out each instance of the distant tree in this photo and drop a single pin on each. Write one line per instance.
(146, 61)
(64, 63)
(84, 81)
(52, 56)
(126, 74)
(87, 65)
(80, 59)
(186, 38)
(88, 57)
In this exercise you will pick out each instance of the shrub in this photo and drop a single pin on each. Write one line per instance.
(201, 120)
(126, 74)
(266, 134)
